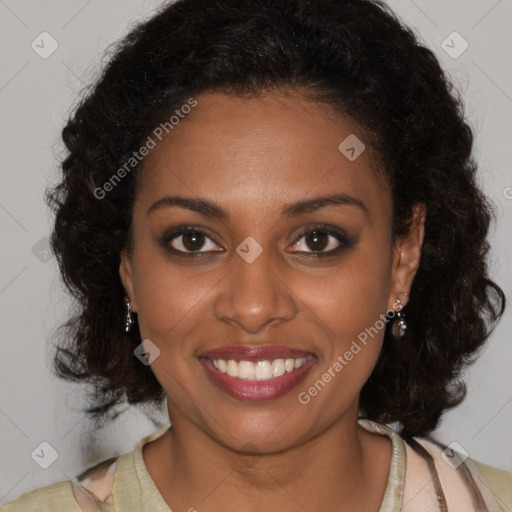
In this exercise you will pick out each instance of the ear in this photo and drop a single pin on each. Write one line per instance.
(406, 257)
(126, 275)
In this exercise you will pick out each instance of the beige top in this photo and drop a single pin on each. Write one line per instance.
(421, 479)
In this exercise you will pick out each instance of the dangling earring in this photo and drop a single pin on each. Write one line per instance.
(128, 319)
(399, 326)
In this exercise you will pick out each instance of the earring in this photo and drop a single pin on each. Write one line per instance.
(128, 319)
(399, 326)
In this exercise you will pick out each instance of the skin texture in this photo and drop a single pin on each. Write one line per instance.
(253, 157)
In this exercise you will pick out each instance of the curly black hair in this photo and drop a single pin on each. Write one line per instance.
(358, 57)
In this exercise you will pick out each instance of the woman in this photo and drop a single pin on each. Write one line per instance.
(269, 216)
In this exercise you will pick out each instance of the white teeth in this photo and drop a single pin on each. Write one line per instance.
(278, 368)
(245, 370)
(262, 370)
(299, 362)
(232, 370)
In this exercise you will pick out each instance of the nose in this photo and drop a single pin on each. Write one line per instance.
(254, 296)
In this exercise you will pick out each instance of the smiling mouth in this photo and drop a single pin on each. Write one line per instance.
(256, 373)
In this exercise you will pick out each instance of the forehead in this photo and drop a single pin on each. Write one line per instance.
(273, 149)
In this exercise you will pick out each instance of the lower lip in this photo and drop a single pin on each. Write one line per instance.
(255, 390)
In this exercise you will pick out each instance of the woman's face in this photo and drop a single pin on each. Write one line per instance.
(250, 174)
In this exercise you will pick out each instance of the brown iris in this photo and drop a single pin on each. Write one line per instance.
(318, 240)
(193, 241)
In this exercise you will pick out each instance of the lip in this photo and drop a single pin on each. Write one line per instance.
(254, 353)
(242, 389)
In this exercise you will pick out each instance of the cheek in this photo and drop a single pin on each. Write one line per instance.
(170, 298)
(354, 294)
(352, 304)
(171, 309)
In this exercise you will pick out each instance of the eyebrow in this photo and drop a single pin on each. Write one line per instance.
(214, 210)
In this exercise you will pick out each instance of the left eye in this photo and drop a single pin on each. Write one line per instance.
(319, 241)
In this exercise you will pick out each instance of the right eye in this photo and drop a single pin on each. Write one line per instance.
(189, 242)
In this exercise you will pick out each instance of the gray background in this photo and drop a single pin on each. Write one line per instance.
(35, 96)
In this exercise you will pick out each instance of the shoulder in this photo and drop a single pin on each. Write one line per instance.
(57, 497)
(87, 493)
(93, 489)
(460, 477)
(499, 480)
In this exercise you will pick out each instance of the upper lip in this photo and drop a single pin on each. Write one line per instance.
(254, 353)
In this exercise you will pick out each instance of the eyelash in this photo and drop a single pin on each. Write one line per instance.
(339, 235)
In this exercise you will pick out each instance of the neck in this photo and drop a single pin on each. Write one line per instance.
(345, 468)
